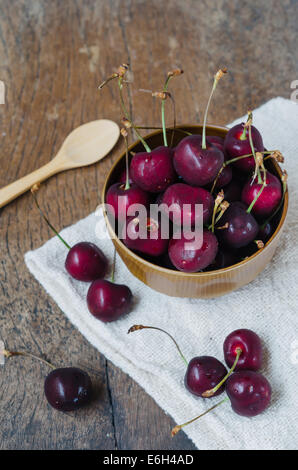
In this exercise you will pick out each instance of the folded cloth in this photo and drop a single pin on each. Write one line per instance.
(268, 305)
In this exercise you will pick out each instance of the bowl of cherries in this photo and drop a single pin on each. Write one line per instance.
(235, 181)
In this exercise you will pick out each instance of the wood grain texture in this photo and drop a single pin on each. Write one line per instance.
(52, 57)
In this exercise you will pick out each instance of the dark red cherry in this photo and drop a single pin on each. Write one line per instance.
(249, 392)
(237, 144)
(121, 199)
(242, 226)
(216, 141)
(225, 177)
(195, 165)
(153, 171)
(153, 244)
(265, 231)
(268, 199)
(204, 373)
(68, 388)
(232, 191)
(223, 259)
(192, 259)
(251, 349)
(179, 194)
(108, 301)
(86, 262)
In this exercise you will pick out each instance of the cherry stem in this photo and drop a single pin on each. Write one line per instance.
(174, 123)
(113, 266)
(176, 129)
(27, 354)
(33, 190)
(126, 114)
(217, 202)
(249, 119)
(127, 183)
(243, 135)
(177, 428)
(171, 74)
(142, 327)
(233, 160)
(164, 131)
(217, 77)
(120, 75)
(249, 209)
(212, 391)
(284, 185)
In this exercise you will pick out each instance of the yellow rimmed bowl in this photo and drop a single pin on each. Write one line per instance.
(193, 285)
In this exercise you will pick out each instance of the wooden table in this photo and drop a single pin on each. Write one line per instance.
(53, 55)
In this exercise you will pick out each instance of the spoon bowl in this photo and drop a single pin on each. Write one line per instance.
(85, 145)
(89, 143)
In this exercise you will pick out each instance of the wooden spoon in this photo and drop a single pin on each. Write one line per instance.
(85, 145)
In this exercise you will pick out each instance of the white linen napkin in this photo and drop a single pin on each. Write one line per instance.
(268, 305)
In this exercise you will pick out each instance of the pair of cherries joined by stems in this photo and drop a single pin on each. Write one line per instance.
(106, 300)
(239, 216)
(249, 391)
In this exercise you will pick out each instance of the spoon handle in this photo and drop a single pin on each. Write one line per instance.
(13, 190)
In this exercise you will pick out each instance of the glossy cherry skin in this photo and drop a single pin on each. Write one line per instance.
(121, 199)
(108, 301)
(195, 165)
(249, 392)
(216, 141)
(68, 388)
(269, 198)
(179, 194)
(194, 259)
(249, 343)
(204, 373)
(235, 147)
(152, 245)
(153, 171)
(242, 227)
(86, 262)
(266, 231)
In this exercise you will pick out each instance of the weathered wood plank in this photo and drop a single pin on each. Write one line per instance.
(52, 57)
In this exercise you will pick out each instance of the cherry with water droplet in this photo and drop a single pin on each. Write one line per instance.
(153, 171)
(68, 388)
(191, 259)
(179, 194)
(120, 199)
(152, 245)
(203, 373)
(108, 301)
(251, 349)
(86, 262)
(196, 159)
(249, 392)
(269, 196)
(242, 228)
